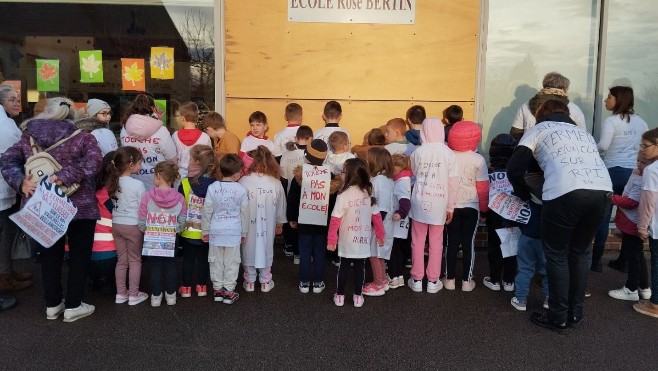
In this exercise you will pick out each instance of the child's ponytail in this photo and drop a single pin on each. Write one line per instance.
(123, 158)
(356, 174)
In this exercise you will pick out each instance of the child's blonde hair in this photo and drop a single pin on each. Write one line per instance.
(401, 161)
(264, 162)
(208, 162)
(167, 170)
(338, 139)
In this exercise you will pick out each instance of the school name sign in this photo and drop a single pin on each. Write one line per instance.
(352, 11)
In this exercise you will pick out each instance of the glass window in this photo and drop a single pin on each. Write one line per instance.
(122, 29)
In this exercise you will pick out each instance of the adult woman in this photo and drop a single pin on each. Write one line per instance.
(575, 195)
(9, 135)
(144, 131)
(80, 159)
(621, 135)
(554, 86)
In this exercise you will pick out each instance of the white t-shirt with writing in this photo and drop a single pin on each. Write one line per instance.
(401, 189)
(251, 142)
(569, 158)
(223, 203)
(432, 164)
(126, 204)
(650, 178)
(355, 232)
(472, 167)
(284, 136)
(382, 190)
(621, 140)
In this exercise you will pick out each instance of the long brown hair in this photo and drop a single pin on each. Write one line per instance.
(208, 162)
(379, 162)
(264, 162)
(624, 102)
(356, 174)
(167, 170)
(142, 105)
(124, 157)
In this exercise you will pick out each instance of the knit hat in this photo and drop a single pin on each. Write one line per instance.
(316, 152)
(501, 149)
(96, 105)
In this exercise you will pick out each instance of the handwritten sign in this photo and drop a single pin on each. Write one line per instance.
(314, 202)
(46, 215)
(509, 241)
(511, 208)
(353, 11)
(160, 234)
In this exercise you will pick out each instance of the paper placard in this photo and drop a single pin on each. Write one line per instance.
(509, 241)
(511, 208)
(194, 213)
(161, 106)
(132, 74)
(91, 66)
(353, 11)
(314, 202)
(47, 214)
(160, 234)
(47, 74)
(499, 183)
(162, 63)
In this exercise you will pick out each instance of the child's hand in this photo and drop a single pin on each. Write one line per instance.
(279, 229)
(331, 246)
(293, 225)
(643, 235)
(483, 218)
(205, 238)
(243, 239)
(396, 217)
(380, 242)
(448, 217)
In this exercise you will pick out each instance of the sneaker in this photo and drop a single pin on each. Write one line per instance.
(494, 286)
(82, 311)
(468, 285)
(120, 299)
(336, 262)
(545, 303)
(318, 287)
(396, 282)
(304, 287)
(134, 300)
(230, 297)
(407, 263)
(218, 295)
(248, 286)
(434, 287)
(542, 320)
(358, 300)
(8, 302)
(267, 286)
(156, 300)
(339, 300)
(370, 289)
(54, 312)
(185, 291)
(295, 260)
(415, 286)
(588, 294)
(448, 284)
(646, 307)
(519, 305)
(645, 294)
(171, 298)
(624, 294)
(508, 286)
(201, 290)
(287, 250)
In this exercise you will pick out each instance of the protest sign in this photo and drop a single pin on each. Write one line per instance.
(499, 183)
(160, 234)
(194, 213)
(47, 214)
(511, 208)
(314, 202)
(509, 241)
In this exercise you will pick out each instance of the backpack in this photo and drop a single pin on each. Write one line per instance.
(41, 163)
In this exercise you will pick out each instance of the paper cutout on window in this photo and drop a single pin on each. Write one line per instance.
(47, 74)
(91, 66)
(162, 63)
(132, 74)
(161, 105)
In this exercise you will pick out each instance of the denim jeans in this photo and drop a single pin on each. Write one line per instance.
(313, 245)
(653, 245)
(530, 260)
(619, 177)
(163, 265)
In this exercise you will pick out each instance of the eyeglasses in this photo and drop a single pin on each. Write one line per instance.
(645, 146)
(14, 101)
(105, 113)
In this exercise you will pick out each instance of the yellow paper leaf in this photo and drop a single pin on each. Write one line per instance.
(133, 73)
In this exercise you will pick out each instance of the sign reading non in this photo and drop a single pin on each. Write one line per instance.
(160, 234)
(352, 11)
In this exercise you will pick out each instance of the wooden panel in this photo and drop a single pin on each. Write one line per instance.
(358, 117)
(432, 60)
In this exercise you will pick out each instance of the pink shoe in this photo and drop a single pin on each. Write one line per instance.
(201, 290)
(120, 299)
(339, 300)
(358, 300)
(185, 291)
(370, 289)
(248, 286)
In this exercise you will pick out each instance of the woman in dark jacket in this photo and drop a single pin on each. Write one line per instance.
(80, 159)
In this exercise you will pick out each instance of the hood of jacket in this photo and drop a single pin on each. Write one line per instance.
(48, 132)
(202, 188)
(165, 198)
(432, 131)
(545, 94)
(142, 127)
(413, 136)
(464, 136)
(189, 136)
(89, 124)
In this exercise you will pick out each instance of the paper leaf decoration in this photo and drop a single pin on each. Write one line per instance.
(47, 74)
(161, 109)
(132, 76)
(91, 66)
(162, 63)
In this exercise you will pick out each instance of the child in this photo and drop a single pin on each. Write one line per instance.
(432, 203)
(98, 121)
(188, 136)
(637, 284)
(225, 224)
(256, 135)
(380, 166)
(293, 116)
(126, 193)
(163, 198)
(312, 238)
(374, 138)
(415, 117)
(472, 197)
(332, 114)
(267, 213)
(500, 151)
(202, 168)
(350, 228)
(224, 141)
(401, 192)
(395, 131)
(339, 147)
(451, 115)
